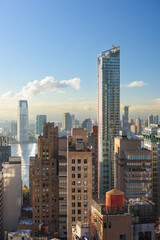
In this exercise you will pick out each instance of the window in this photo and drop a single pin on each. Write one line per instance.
(85, 211)
(85, 190)
(73, 211)
(73, 182)
(79, 175)
(85, 182)
(79, 168)
(85, 168)
(73, 190)
(79, 211)
(85, 197)
(85, 204)
(73, 219)
(73, 168)
(73, 204)
(73, 175)
(109, 224)
(79, 204)
(79, 161)
(79, 183)
(85, 161)
(73, 197)
(79, 197)
(73, 161)
(123, 237)
(79, 190)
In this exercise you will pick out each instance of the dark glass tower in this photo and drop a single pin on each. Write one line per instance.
(108, 115)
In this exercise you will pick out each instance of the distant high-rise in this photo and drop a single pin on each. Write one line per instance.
(22, 121)
(87, 124)
(40, 119)
(13, 129)
(153, 120)
(108, 115)
(139, 125)
(66, 124)
(125, 117)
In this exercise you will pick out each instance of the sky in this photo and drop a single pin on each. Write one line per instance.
(49, 50)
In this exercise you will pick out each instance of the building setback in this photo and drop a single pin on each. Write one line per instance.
(79, 178)
(108, 115)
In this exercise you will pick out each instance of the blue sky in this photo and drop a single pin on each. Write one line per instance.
(62, 39)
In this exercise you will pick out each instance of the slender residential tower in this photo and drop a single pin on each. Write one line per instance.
(108, 115)
(22, 121)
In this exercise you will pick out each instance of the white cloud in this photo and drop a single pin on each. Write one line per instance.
(48, 84)
(136, 84)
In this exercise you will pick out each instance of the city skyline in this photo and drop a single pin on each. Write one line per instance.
(36, 52)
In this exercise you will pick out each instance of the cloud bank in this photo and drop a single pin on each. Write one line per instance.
(136, 84)
(48, 84)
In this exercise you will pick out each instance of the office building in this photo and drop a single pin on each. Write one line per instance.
(133, 168)
(44, 184)
(12, 193)
(1, 206)
(87, 124)
(79, 179)
(22, 121)
(13, 129)
(156, 119)
(139, 125)
(93, 142)
(133, 128)
(125, 118)
(108, 115)
(62, 188)
(153, 119)
(76, 123)
(66, 123)
(152, 142)
(72, 119)
(40, 119)
(5, 150)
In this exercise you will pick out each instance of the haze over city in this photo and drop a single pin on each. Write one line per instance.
(49, 55)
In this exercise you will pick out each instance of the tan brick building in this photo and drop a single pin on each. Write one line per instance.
(44, 184)
(79, 178)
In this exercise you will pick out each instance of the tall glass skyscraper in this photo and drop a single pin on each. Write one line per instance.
(22, 121)
(108, 115)
(40, 119)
